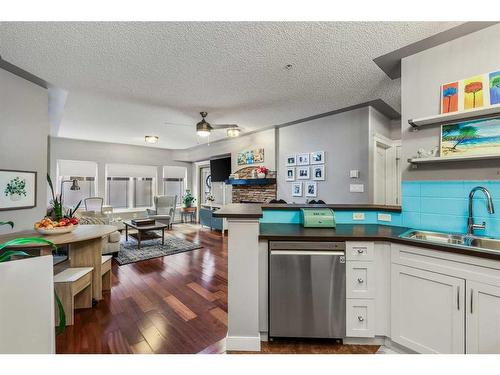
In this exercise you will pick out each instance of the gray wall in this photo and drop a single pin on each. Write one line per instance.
(345, 138)
(24, 128)
(421, 78)
(106, 153)
(264, 139)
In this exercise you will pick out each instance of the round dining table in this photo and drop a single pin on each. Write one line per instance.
(85, 245)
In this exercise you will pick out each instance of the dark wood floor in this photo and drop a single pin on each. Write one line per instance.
(174, 304)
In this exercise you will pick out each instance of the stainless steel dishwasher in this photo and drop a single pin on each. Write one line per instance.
(307, 289)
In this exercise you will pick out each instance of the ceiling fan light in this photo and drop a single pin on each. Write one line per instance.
(233, 132)
(203, 133)
(203, 128)
(151, 138)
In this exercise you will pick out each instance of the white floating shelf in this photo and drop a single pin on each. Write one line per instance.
(438, 159)
(457, 117)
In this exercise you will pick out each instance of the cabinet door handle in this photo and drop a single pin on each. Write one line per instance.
(360, 280)
(458, 297)
(471, 301)
(361, 251)
(360, 318)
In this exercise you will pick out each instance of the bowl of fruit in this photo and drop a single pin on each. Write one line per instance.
(48, 226)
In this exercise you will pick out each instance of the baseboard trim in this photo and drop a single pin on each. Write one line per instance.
(243, 343)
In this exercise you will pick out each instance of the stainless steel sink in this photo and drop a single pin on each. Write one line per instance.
(455, 239)
(473, 242)
(485, 243)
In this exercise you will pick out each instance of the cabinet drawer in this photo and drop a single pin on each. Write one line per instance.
(360, 279)
(360, 318)
(359, 250)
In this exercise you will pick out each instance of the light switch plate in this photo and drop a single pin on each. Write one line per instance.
(354, 173)
(356, 188)
(358, 216)
(384, 217)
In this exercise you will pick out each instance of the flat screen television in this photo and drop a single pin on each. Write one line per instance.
(220, 169)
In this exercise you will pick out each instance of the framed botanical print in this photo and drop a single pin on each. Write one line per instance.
(17, 189)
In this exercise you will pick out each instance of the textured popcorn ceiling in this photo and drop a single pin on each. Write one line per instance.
(125, 80)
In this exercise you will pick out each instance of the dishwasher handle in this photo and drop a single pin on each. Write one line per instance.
(307, 252)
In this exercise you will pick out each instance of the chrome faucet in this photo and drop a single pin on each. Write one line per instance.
(491, 210)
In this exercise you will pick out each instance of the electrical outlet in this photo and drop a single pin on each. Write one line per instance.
(356, 188)
(384, 217)
(358, 216)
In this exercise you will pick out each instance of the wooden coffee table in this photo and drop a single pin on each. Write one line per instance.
(144, 232)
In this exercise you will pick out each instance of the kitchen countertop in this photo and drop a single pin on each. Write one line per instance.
(335, 207)
(361, 232)
(240, 211)
(254, 210)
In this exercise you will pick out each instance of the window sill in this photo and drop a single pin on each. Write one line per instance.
(125, 210)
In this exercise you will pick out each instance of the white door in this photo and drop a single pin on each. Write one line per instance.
(386, 171)
(427, 311)
(483, 318)
(381, 178)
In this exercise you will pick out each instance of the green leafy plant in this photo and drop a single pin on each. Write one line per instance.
(57, 204)
(7, 255)
(16, 186)
(188, 199)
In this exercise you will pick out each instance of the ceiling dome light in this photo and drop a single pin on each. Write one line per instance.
(151, 138)
(233, 132)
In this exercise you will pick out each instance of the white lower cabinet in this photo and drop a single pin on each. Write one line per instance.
(483, 318)
(360, 318)
(427, 310)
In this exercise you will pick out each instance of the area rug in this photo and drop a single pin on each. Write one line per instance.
(129, 253)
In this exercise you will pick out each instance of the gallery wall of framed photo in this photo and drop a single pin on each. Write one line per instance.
(305, 171)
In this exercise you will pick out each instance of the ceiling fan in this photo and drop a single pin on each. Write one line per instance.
(204, 128)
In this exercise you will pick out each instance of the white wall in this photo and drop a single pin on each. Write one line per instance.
(108, 153)
(27, 326)
(345, 138)
(422, 75)
(24, 128)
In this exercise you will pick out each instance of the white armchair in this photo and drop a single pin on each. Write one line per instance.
(164, 209)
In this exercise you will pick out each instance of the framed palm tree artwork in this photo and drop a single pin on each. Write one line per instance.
(481, 137)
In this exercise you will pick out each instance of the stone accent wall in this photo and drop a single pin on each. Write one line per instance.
(252, 193)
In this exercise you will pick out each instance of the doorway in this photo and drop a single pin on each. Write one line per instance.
(386, 171)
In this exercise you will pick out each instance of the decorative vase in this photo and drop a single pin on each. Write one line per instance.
(15, 197)
(188, 205)
(261, 175)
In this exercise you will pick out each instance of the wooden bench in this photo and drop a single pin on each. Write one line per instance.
(74, 288)
(106, 272)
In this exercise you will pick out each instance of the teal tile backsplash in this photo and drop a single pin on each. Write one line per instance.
(443, 205)
(432, 205)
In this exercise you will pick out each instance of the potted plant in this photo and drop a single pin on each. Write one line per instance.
(262, 172)
(57, 214)
(6, 256)
(15, 189)
(188, 199)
